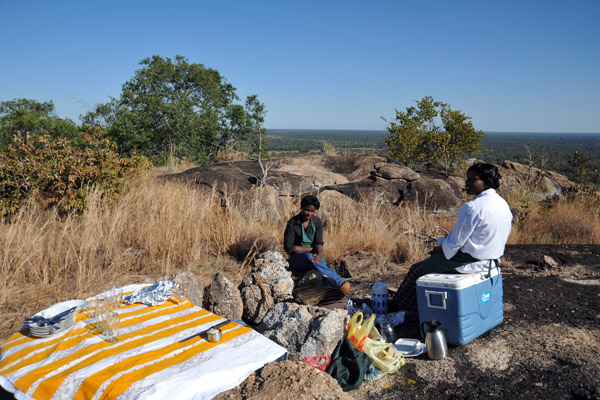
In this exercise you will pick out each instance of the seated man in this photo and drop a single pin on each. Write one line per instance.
(477, 239)
(303, 240)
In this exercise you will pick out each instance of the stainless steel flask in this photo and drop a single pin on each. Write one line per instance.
(437, 348)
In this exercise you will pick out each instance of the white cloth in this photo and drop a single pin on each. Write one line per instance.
(481, 230)
(167, 365)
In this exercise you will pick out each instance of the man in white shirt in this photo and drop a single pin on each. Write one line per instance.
(477, 239)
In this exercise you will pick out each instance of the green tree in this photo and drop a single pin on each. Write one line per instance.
(174, 105)
(432, 132)
(62, 174)
(30, 117)
(577, 169)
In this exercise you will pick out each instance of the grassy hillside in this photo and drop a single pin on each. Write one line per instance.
(157, 228)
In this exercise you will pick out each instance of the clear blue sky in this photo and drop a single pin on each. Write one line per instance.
(520, 66)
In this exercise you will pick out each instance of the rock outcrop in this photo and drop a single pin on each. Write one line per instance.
(364, 178)
(270, 282)
(190, 286)
(544, 184)
(304, 331)
(224, 298)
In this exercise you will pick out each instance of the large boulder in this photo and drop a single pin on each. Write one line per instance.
(270, 282)
(379, 190)
(257, 302)
(305, 331)
(264, 201)
(272, 268)
(224, 298)
(225, 176)
(190, 286)
(354, 168)
(434, 194)
(394, 171)
(544, 184)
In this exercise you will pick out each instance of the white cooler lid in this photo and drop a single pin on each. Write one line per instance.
(454, 281)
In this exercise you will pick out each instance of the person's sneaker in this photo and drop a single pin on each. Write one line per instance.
(345, 288)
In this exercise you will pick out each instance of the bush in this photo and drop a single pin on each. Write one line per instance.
(59, 173)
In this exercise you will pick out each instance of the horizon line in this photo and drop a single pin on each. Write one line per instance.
(383, 130)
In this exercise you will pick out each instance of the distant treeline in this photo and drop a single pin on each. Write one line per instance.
(549, 150)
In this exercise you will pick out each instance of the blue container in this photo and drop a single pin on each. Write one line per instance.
(467, 305)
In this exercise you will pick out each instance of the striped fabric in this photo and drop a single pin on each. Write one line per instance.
(149, 358)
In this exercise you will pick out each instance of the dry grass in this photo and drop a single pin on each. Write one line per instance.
(571, 220)
(158, 228)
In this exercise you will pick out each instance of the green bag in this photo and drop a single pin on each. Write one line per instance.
(348, 365)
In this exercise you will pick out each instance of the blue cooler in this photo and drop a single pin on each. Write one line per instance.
(467, 305)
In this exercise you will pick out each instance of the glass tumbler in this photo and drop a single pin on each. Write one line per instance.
(110, 326)
(387, 332)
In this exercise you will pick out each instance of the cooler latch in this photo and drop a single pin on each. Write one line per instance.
(436, 299)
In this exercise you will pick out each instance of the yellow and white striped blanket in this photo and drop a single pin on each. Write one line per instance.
(148, 361)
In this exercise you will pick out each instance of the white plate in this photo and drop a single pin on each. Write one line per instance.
(410, 347)
(69, 321)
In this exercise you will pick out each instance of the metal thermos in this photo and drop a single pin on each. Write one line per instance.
(437, 348)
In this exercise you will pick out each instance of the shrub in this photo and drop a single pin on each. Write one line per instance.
(60, 174)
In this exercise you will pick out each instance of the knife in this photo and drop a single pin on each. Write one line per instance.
(206, 330)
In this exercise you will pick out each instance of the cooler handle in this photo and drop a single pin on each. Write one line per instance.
(444, 296)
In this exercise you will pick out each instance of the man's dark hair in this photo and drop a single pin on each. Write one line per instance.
(488, 173)
(310, 201)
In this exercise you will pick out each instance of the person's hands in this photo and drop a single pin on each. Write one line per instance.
(316, 258)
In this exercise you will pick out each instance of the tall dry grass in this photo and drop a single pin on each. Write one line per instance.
(573, 219)
(158, 228)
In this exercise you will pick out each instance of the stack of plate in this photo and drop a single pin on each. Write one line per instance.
(410, 347)
(44, 331)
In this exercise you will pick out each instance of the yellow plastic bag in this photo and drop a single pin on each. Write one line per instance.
(366, 338)
(384, 355)
(358, 331)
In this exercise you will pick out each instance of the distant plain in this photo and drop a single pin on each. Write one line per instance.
(548, 150)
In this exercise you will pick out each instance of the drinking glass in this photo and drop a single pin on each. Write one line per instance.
(109, 295)
(102, 309)
(117, 297)
(387, 332)
(91, 309)
(111, 325)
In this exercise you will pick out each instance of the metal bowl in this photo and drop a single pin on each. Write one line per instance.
(214, 335)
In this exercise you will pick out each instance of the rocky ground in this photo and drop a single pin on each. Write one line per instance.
(548, 346)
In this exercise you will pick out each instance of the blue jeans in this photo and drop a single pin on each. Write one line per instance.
(303, 262)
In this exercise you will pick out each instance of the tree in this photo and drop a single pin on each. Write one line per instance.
(30, 117)
(173, 105)
(577, 170)
(417, 136)
(255, 118)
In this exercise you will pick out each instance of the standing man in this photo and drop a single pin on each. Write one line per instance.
(303, 240)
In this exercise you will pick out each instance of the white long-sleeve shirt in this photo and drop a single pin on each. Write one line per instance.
(481, 230)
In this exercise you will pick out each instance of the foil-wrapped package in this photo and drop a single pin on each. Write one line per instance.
(156, 294)
(395, 318)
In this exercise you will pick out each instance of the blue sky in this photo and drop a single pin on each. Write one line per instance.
(521, 66)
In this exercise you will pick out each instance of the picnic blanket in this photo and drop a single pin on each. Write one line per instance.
(149, 361)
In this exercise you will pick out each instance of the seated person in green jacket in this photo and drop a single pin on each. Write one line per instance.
(303, 241)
